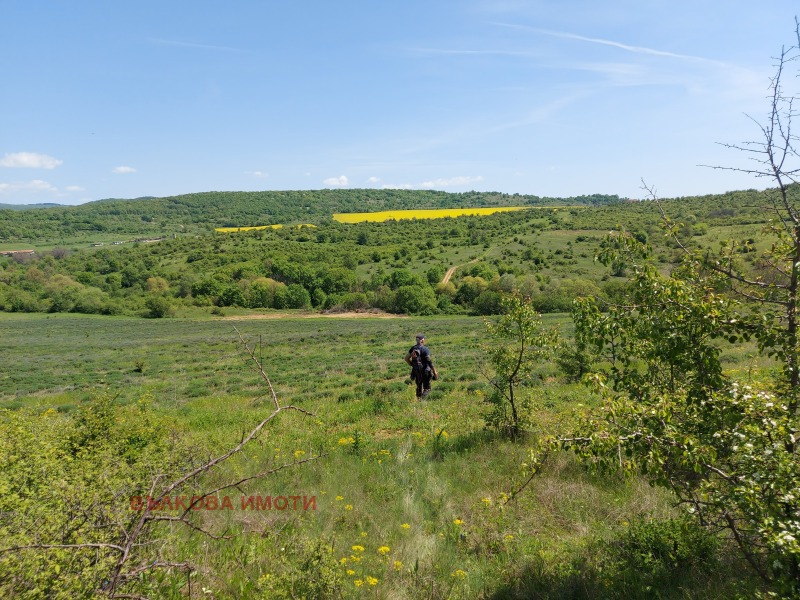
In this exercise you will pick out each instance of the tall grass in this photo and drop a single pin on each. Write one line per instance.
(411, 497)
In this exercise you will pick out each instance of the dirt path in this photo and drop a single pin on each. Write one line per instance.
(449, 274)
(452, 270)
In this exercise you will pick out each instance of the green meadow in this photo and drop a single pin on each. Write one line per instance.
(411, 499)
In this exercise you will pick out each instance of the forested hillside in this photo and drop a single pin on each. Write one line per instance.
(201, 213)
(546, 253)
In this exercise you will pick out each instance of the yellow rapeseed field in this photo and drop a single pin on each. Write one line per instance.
(257, 227)
(254, 228)
(426, 213)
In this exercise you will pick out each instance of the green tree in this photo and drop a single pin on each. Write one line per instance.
(292, 296)
(262, 291)
(415, 299)
(519, 343)
(158, 307)
(727, 452)
(435, 274)
(470, 288)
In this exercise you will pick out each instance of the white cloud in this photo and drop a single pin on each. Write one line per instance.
(29, 160)
(374, 180)
(123, 169)
(35, 185)
(337, 181)
(75, 188)
(258, 174)
(613, 43)
(397, 186)
(451, 182)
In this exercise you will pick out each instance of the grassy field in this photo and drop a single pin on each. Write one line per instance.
(410, 496)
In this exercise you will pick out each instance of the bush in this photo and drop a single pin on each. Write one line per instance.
(489, 303)
(415, 299)
(650, 554)
(292, 296)
(158, 307)
(355, 301)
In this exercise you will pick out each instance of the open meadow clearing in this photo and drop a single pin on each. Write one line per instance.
(409, 497)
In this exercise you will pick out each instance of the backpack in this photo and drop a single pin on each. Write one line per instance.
(416, 359)
(417, 362)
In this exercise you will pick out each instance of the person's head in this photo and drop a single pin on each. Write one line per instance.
(420, 338)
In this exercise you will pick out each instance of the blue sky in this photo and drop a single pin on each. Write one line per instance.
(553, 98)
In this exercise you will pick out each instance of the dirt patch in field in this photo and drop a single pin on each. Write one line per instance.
(315, 315)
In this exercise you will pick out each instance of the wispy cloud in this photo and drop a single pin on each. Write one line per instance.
(122, 170)
(440, 183)
(451, 182)
(35, 185)
(75, 188)
(29, 160)
(612, 43)
(340, 181)
(259, 174)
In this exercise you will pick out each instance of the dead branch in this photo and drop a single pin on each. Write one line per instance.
(260, 367)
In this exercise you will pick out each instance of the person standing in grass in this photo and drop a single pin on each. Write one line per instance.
(422, 369)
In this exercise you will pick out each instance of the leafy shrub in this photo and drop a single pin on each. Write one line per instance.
(415, 299)
(67, 480)
(489, 303)
(355, 301)
(292, 296)
(158, 307)
(650, 554)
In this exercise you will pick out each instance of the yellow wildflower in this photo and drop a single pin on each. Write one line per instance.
(405, 526)
(343, 560)
(457, 521)
(372, 580)
(357, 548)
(351, 572)
(348, 507)
(458, 574)
(383, 550)
(398, 565)
(358, 583)
(299, 453)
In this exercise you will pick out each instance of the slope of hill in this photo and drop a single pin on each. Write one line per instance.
(201, 213)
(29, 206)
(398, 266)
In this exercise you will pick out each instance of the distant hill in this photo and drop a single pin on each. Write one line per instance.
(28, 206)
(203, 212)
